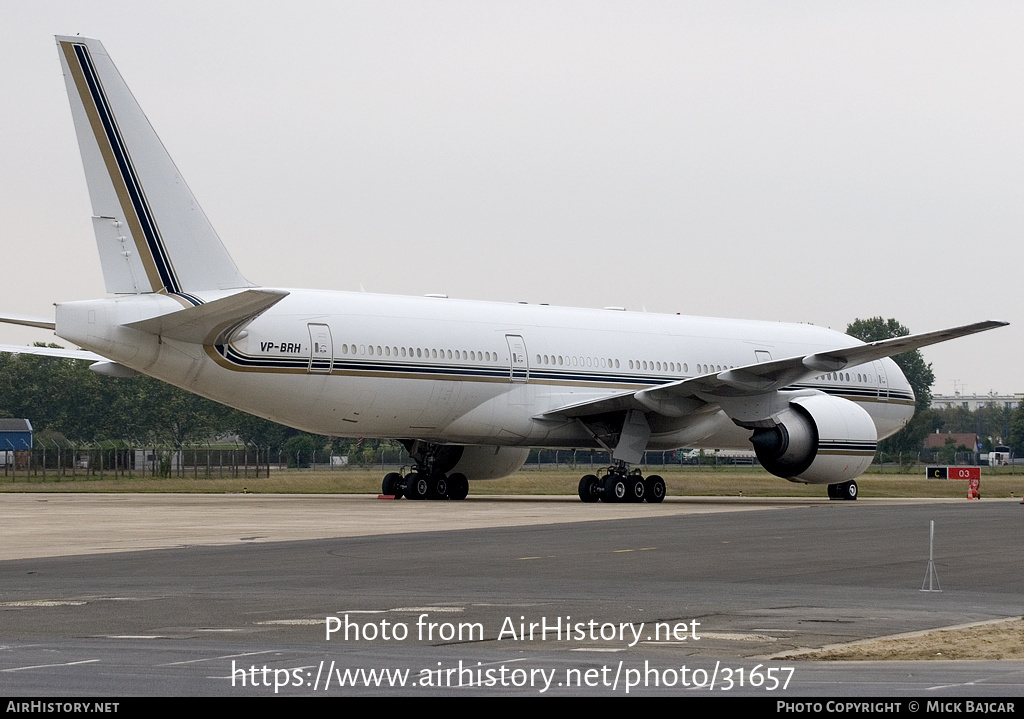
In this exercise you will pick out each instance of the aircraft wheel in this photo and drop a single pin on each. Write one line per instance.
(636, 489)
(438, 487)
(655, 489)
(417, 486)
(458, 487)
(392, 484)
(590, 488)
(614, 488)
(844, 490)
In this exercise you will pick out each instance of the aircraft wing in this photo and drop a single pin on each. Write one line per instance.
(615, 403)
(52, 352)
(676, 399)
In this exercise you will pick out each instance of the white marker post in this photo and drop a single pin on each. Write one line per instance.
(931, 577)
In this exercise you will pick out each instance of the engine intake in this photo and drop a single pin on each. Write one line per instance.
(818, 440)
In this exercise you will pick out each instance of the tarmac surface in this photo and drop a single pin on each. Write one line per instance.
(204, 595)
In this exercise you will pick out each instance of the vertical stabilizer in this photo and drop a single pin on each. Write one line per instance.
(151, 233)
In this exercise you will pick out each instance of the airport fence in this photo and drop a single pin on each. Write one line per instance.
(119, 459)
(63, 460)
(53, 460)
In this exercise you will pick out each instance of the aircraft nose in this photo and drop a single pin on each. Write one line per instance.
(901, 392)
(897, 399)
(901, 386)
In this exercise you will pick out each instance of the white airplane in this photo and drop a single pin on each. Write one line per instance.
(468, 387)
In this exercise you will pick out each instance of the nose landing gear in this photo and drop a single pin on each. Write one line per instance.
(844, 490)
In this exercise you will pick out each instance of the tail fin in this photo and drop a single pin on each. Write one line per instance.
(152, 234)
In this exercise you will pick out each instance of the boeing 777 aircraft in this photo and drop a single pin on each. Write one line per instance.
(468, 387)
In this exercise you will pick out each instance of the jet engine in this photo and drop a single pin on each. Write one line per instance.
(818, 439)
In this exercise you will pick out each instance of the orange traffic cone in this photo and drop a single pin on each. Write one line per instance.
(973, 487)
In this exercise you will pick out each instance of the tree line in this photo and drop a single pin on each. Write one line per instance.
(994, 426)
(67, 402)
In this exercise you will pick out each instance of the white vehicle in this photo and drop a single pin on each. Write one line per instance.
(999, 457)
(468, 387)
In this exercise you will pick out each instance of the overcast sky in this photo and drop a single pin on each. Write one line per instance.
(796, 161)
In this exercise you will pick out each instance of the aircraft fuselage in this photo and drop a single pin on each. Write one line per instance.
(466, 372)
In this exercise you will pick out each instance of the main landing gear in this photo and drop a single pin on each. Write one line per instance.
(621, 485)
(845, 490)
(420, 485)
(429, 479)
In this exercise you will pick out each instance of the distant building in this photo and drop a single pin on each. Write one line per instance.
(148, 460)
(937, 440)
(973, 402)
(15, 434)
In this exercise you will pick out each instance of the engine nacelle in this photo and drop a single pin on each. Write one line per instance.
(818, 440)
(487, 462)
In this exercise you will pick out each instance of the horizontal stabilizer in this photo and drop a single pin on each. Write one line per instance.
(51, 352)
(112, 369)
(42, 322)
(207, 324)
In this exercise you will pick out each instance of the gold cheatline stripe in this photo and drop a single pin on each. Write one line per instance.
(395, 374)
(407, 374)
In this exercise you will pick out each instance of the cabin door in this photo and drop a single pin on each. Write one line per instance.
(519, 364)
(321, 349)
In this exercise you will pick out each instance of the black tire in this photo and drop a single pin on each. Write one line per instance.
(458, 487)
(843, 490)
(590, 488)
(438, 487)
(615, 489)
(417, 486)
(655, 489)
(392, 485)
(636, 489)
